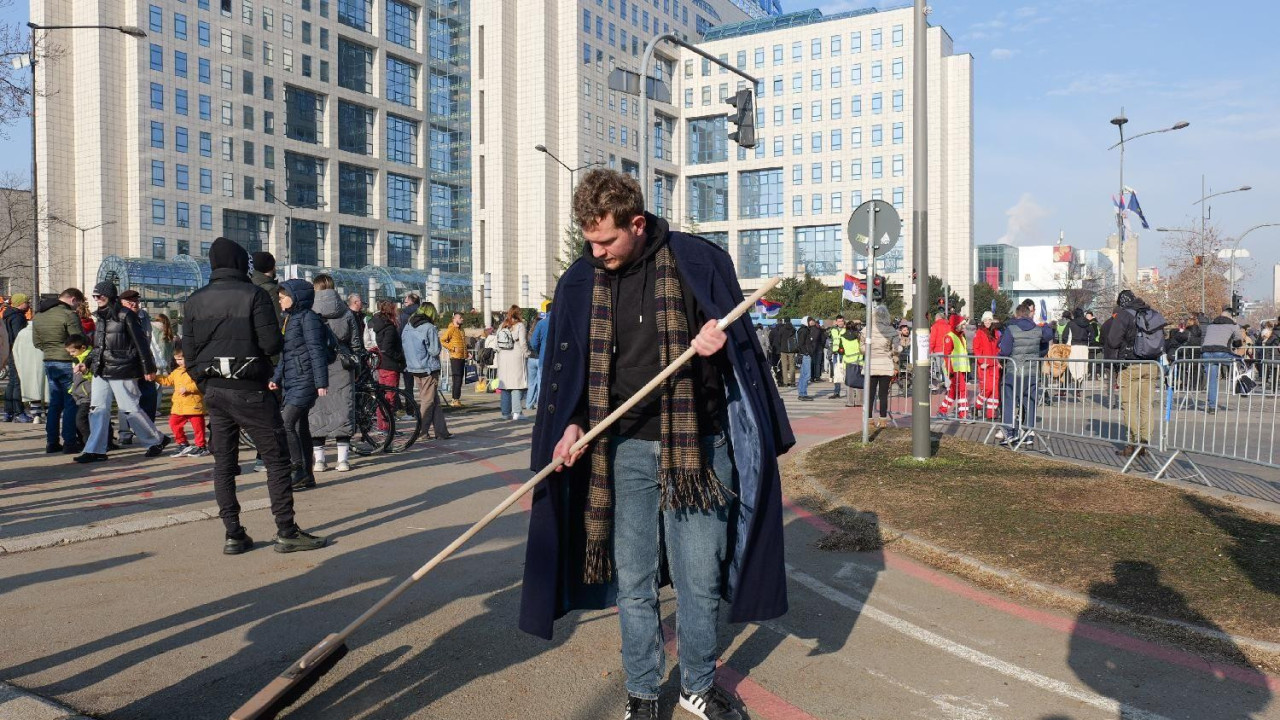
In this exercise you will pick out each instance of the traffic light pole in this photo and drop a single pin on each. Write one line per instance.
(868, 298)
(644, 95)
(920, 440)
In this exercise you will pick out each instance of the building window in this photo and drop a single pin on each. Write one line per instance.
(797, 174)
(877, 71)
(778, 146)
(357, 14)
(797, 51)
(777, 54)
(897, 69)
(157, 173)
(355, 128)
(402, 23)
(402, 81)
(815, 49)
(899, 166)
(709, 197)
(304, 114)
(797, 144)
(898, 195)
(876, 39)
(157, 96)
(184, 215)
(157, 58)
(835, 46)
(355, 190)
(877, 135)
(204, 69)
(815, 80)
(206, 217)
(855, 170)
(157, 248)
(228, 185)
(202, 33)
(442, 202)
(307, 242)
(837, 202)
(225, 41)
(402, 199)
(877, 168)
(897, 35)
(179, 63)
(708, 140)
(797, 83)
(400, 249)
(815, 172)
(157, 134)
(402, 140)
(797, 205)
(304, 176)
(268, 157)
(355, 245)
(182, 177)
(815, 142)
(355, 66)
(760, 253)
(818, 249)
(248, 229)
(760, 193)
(206, 181)
(898, 133)
(181, 102)
(157, 212)
(817, 204)
(247, 117)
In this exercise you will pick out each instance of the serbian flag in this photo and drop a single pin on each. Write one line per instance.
(768, 308)
(1134, 206)
(855, 290)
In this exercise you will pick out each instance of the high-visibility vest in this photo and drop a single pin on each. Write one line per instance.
(959, 354)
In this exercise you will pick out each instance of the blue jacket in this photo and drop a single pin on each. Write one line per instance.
(1006, 338)
(421, 341)
(304, 362)
(538, 340)
(759, 432)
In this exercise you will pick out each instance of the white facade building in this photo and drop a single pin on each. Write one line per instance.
(1056, 275)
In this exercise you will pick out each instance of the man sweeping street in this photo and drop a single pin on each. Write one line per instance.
(694, 466)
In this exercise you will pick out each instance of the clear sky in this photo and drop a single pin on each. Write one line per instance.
(1049, 76)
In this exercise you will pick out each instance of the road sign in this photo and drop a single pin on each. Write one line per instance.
(627, 82)
(887, 224)
(1233, 274)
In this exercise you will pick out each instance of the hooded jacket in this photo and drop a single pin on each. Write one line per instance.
(1124, 326)
(421, 343)
(14, 320)
(332, 414)
(230, 317)
(272, 286)
(304, 361)
(390, 349)
(1222, 335)
(51, 327)
(189, 401)
(120, 347)
(1080, 330)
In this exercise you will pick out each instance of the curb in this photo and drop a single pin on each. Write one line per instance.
(1009, 577)
(85, 533)
(18, 704)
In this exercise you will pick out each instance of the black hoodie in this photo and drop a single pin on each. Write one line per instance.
(1120, 336)
(636, 358)
(1081, 329)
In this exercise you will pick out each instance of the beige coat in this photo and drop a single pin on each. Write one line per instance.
(884, 349)
(513, 366)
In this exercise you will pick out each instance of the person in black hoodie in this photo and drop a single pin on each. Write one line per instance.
(302, 375)
(230, 334)
(390, 347)
(1138, 378)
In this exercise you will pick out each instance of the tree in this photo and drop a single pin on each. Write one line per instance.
(571, 248)
(1191, 283)
(955, 303)
(983, 294)
(1080, 286)
(15, 232)
(15, 82)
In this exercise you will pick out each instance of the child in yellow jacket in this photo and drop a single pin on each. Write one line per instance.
(187, 407)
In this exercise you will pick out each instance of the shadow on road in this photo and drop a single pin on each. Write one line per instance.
(70, 571)
(1125, 675)
(1255, 547)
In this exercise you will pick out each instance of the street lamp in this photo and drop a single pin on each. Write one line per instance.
(31, 61)
(543, 149)
(83, 276)
(1120, 121)
(1204, 232)
(271, 196)
(1236, 249)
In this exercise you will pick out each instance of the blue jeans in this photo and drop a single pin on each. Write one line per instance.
(148, 404)
(806, 373)
(697, 555)
(535, 375)
(510, 401)
(126, 395)
(61, 418)
(1019, 394)
(1215, 369)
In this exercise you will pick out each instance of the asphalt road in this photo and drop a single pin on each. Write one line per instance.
(159, 624)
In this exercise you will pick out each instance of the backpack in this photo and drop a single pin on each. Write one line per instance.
(790, 343)
(1148, 338)
(506, 339)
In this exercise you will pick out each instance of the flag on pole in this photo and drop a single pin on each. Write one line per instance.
(855, 290)
(1044, 312)
(768, 308)
(1134, 206)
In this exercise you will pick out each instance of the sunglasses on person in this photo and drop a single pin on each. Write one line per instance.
(96, 296)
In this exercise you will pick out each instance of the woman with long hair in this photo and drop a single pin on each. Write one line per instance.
(86, 318)
(162, 337)
(882, 342)
(513, 368)
(331, 417)
(390, 350)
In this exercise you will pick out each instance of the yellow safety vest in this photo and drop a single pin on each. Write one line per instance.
(852, 350)
(959, 354)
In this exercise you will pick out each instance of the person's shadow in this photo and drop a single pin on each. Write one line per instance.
(1142, 683)
(1253, 547)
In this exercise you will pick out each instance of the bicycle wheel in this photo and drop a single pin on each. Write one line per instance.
(408, 420)
(374, 423)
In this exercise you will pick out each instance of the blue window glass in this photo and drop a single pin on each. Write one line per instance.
(586, 21)
(877, 103)
(157, 173)
(877, 135)
(708, 140)
(304, 175)
(897, 101)
(898, 133)
(837, 139)
(206, 181)
(855, 106)
(157, 212)
(181, 104)
(354, 245)
(355, 66)
(206, 107)
(760, 193)
(442, 200)
(179, 63)
(402, 23)
(356, 13)
(586, 54)
(442, 99)
(355, 185)
(307, 242)
(155, 19)
(157, 247)
(202, 4)
(709, 197)
(402, 81)
(246, 228)
(206, 217)
(818, 248)
(157, 58)
(202, 33)
(182, 177)
(180, 139)
(443, 156)
(760, 253)
(815, 142)
(206, 144)
(877, 168)
(157, 134)
(355, 128)
(302, 114)
(400, 249)
(180, 26)
(402, 140)
(205, 74)
(182, 215)
(402, 198)
(157, 96)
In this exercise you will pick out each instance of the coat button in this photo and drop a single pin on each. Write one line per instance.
(564, 346)
(555, 387)
(558, 366)
(551, 409)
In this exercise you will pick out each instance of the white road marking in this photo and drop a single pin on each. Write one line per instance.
(969, 654)
(952, 707)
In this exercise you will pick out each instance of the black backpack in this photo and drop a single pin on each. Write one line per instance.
(790, 341)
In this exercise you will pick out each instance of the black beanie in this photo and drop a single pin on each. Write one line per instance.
(264, 262)
(226, 253)
(107, 290)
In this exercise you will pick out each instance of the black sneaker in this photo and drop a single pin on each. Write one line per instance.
(712, 704)
(156, 450)
(72, 449)
(52, 449)
(641, 709)
(85, 458)
(237, 544)
(299, 542)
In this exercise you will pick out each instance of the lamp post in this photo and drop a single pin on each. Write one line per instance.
(288, 252)
(1236, 249)
(543, 149)
(31, 61)
(1204, 232)
(1120, 121)
(83, 243)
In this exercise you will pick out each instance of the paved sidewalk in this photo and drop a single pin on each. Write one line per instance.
(18, 704)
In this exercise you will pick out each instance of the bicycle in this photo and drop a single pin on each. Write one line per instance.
(384, 408)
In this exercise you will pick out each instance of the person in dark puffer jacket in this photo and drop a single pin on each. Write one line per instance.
(121, 356)
(302, 375)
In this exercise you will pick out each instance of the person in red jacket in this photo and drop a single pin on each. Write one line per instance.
(986, 351)
(957, 364)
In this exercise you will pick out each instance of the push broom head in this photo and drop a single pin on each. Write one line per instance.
(293, 683)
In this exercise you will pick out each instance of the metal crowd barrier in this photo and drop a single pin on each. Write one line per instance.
(1232, 414)
(976, 395)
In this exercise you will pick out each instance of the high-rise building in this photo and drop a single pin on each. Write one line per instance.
(334, 133)
(833, 116)
(1275, 285)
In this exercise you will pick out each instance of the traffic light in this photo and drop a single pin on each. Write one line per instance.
(1237, 302)
(877, 288)
(744, 118)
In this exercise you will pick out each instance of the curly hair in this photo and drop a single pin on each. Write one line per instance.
(607, 193)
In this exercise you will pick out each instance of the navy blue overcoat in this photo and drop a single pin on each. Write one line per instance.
(755, 583)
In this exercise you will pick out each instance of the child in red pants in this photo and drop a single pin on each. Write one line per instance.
(188, 407)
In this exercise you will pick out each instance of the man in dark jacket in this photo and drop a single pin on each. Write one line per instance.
(1221, 338)
(783, 343)
(231, 333)
(1139, 377)
(810, 337)
(50, 329)
(121, 357)
(14, 319)
(1025, 343)
(264, 276)
(638, 298)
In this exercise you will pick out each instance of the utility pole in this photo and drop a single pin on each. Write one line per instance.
(921, 445)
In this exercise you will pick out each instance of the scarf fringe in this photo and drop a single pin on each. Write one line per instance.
(699, 489)
(598, 567)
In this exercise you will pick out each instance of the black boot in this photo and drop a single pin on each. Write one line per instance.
(302, 478)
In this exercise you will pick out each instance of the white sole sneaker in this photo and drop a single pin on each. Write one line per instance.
(342, 467)
(320, 467)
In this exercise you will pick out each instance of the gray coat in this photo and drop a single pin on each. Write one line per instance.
(332, 414)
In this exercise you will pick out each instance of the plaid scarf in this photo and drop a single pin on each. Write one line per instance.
(685, 481)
